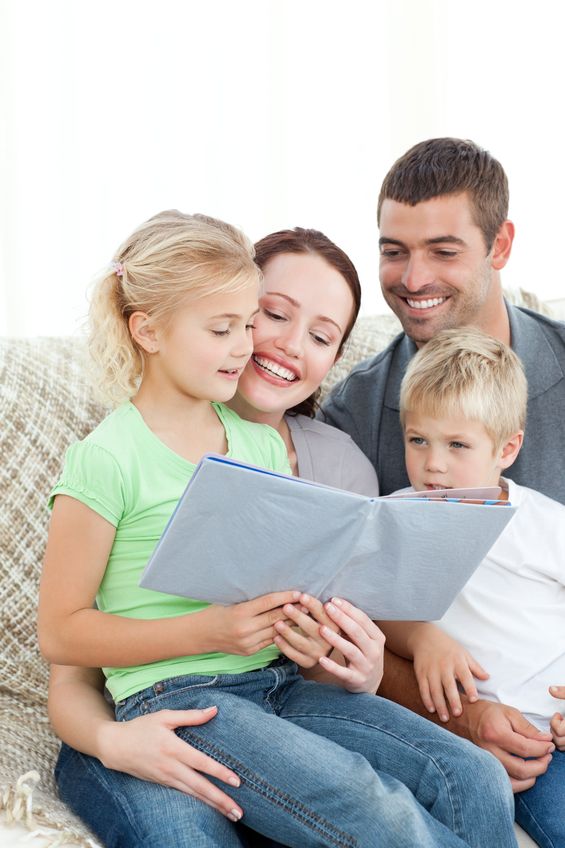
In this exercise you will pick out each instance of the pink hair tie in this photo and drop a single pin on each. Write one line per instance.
(118, 269)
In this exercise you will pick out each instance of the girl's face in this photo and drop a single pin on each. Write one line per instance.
(305, 308)
(202, 351)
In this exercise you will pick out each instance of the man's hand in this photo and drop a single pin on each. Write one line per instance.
(522, 749)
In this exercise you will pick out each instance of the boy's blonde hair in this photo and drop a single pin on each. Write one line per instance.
(166, 260)
(466, 372)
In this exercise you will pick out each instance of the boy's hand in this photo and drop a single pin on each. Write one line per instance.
(439, 662)
(557, 722)
(304, 643)
(248, 627)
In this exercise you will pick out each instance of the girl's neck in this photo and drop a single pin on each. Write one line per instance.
(276, 420)
(188, 426)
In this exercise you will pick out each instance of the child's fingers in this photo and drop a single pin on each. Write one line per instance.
(438, 697)
(467, 681)
(557, 691)
(478, 671)
(557, 725)
(303, 620)
(449, 683)
(339, 606)
(316, 610)
(425, 693)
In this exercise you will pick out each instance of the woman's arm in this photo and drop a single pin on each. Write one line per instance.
(146, 747)
(73, 632)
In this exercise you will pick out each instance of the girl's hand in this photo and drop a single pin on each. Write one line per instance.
(148, 748)
(362, 650)
(248, 627)
(557, 723)
(439, 662)
(304, 642)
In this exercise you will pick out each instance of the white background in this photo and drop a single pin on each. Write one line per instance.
(268, 113)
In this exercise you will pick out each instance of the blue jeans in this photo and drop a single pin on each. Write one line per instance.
(541, 809)
(319, 767)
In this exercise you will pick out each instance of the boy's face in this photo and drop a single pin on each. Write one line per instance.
(450, 453)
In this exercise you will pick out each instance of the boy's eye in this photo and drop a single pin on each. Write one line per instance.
(457, 445)
(416, 440)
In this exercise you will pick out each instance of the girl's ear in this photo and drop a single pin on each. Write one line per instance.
(143, 332)
(510, 449)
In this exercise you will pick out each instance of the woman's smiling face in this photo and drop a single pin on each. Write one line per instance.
(305, 308)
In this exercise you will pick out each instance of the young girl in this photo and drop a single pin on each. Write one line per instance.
(172, 325)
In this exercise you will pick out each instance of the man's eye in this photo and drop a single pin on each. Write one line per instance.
(446, 254)
(391, 253)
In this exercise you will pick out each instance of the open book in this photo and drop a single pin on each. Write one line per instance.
(240, 531)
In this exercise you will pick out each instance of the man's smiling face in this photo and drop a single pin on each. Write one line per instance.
(435, 272)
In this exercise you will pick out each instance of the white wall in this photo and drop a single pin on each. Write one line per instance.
(265, 113)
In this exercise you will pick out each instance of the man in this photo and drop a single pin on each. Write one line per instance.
(444, 239)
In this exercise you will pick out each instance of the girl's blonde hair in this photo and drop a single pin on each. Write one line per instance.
(167, 259)
(466, 372)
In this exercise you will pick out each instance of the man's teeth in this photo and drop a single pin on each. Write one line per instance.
(274, 368)
(425, 304)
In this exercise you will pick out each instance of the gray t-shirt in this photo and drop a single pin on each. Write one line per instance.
(329, 456)
(366, 406)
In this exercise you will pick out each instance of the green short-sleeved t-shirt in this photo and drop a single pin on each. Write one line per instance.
(132, 479)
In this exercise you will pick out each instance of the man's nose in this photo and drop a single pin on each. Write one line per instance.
(417, 274)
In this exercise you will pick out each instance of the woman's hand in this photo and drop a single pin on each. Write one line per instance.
(360, 643)
(557, 723)
(248, 627)
(300, 637)
(439, 662)
(147, 747)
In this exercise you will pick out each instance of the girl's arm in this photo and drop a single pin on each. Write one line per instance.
(72, 632)
(146, 747)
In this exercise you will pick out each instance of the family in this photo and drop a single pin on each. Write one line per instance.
(260, 724)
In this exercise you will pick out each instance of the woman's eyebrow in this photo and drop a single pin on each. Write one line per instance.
(297, 304)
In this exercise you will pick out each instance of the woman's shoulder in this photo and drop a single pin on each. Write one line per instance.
(330, 456)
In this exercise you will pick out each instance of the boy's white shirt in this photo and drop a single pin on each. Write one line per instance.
(511, 614)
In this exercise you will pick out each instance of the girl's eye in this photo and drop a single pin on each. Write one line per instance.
(250, 326)
(221, 332)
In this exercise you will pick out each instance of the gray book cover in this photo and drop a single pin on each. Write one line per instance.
(239, 531)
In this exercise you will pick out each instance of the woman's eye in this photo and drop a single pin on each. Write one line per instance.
(274, 316)
(320, 339)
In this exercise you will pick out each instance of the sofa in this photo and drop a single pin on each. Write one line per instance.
(45, 405)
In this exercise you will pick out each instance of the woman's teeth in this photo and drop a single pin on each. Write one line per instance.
(274, 368)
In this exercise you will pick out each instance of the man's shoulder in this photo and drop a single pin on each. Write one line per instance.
(375, 368)
(525, 318)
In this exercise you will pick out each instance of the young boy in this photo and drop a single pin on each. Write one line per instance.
(463, 407)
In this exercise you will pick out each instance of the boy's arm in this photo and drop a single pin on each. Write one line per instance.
(72, 632)
(524, 751)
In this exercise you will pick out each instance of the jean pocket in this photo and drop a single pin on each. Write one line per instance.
(176, 693)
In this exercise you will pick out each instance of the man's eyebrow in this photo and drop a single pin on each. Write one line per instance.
(434, 240)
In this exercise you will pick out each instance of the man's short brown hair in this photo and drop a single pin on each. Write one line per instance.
(443, 166)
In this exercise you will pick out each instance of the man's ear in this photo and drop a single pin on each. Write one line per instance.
(143, 332)
(510, 449)
(502, 246)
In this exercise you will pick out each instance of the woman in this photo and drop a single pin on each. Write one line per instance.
(310, 302)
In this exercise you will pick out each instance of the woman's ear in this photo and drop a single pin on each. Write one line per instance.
(143, 332)
(510, 449)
